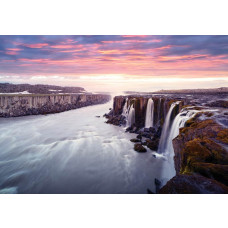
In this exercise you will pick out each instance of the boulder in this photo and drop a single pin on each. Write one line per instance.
(139, 148)
(134, 140)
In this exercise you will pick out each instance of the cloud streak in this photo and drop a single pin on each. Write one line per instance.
(138, 56)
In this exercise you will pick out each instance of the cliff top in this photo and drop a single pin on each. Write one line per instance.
(38, 89)
(221, 90)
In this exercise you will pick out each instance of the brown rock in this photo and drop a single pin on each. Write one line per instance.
(193, 184)
(139, 148)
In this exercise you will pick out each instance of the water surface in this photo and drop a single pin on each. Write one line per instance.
(72, 152)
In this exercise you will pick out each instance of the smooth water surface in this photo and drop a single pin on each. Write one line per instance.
(72, 152)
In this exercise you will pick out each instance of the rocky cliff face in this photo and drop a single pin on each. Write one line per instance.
(161, 107)
(21, 105)
(201, 148)
(201, 158)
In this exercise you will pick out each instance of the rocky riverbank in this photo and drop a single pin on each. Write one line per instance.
(13, 105)
(199, 146)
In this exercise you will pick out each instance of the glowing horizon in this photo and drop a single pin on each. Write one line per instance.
(116, 63)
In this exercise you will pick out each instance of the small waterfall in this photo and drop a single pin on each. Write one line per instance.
(165, 130)
(149, 114)
(158, 112)
(131, 116)
(125, 109)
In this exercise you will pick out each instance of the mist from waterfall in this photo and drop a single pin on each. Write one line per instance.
(165, 130)
(131, 116)
(149, 114)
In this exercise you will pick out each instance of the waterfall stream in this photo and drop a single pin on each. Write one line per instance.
(165, 130)
(131, 116)
(178, 123)
(168, 170)
(125, 109)
(149, 114)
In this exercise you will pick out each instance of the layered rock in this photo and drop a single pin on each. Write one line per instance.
(161, 107)
(22, 105)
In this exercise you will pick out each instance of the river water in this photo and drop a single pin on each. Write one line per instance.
(73, 152)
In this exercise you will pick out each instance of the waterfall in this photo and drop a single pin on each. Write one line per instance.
(178, 123)
(125, 109)
(165, 130)
(158, 112)
(131, 116)
(149, 114)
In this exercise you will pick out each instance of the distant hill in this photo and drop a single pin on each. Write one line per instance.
(38, 89)
(221, 90)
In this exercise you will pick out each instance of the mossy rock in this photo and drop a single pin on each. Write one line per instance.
(206, 157)
(215, 171)
(223, 136)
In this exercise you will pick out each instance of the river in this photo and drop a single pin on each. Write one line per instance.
(73, 152)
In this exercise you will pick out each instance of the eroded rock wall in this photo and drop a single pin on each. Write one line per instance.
(161, 108)
(22, 105)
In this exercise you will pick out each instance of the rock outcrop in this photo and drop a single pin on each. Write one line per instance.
(201, 158)
(32, 104)
(193, 184)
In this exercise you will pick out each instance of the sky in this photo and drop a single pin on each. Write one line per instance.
(116, 63)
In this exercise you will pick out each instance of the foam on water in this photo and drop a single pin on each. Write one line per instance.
(72, 152)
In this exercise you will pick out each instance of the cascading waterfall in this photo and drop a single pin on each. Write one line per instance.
(131, 116)
(125, 109)
(165, 130)
(178, 123)
(168, 170)
(149, 114)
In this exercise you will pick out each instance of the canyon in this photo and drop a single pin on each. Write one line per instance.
(189, 130)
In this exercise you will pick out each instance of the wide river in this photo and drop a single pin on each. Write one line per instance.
(73, 152)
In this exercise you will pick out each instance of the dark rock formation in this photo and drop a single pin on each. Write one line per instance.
(219, 103)
(135, 140)
(192, 184)
(139, 148)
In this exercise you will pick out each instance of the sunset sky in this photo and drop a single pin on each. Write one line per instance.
(116, 63)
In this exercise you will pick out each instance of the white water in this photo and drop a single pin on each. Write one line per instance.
(72, 152)
(149, 114)
(165, 130)
(125, 109)
(178, 123)
(131, 116)
(169, 171)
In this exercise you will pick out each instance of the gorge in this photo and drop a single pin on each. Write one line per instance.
(146, 143)
(189, 131)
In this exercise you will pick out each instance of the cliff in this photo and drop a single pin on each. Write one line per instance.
(34, 104)
(201, 158)
(161, 107)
